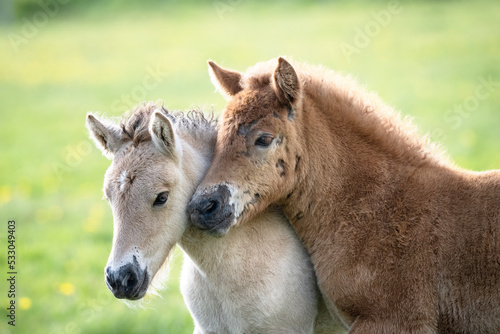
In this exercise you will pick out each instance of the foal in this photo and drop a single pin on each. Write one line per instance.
(258, 279)
(402, 240)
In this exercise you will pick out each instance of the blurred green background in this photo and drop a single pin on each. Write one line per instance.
(437, 61)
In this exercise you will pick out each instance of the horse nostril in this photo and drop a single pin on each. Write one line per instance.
(130, 281)
(210, 207)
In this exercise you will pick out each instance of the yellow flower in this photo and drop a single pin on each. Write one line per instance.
(4, 194)
(25, 303)
(67, 289)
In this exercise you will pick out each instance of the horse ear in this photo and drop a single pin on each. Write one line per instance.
(107, 137)
(226, 81)
(163, 135)
(286, 82)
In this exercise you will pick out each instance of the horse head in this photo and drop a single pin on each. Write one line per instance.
(145, 188)
(256, 155)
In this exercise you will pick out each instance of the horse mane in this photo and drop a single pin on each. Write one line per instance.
(364, 110)
(134, 124)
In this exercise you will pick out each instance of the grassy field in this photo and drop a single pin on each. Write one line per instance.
(437, 61)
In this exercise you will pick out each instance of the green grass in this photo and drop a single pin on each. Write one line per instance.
(430, 57)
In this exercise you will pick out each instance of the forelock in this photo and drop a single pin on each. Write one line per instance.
(259, 75)
(135, 123)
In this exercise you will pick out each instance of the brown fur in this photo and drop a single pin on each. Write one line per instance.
(402, 240)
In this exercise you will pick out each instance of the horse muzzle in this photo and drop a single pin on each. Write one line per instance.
(210, 210)
(127, 282)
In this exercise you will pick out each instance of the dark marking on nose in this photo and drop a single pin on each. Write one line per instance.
(243, 153)
(299, 216)
(256, 195)
(281, 164)
(291, 113)
(297, 160)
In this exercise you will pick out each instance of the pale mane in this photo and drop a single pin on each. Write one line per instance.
(194, 124)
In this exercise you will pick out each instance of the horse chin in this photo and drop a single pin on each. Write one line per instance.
(234, 220)
(222, 227)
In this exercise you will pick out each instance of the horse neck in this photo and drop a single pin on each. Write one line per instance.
(196, 158)
(346, 162)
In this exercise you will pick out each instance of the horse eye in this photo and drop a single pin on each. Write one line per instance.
(264, 140)
(161, 199)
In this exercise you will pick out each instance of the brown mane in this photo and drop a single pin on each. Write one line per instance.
(365, 111)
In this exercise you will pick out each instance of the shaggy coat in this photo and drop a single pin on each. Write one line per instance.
(402, 241)
(258, 279)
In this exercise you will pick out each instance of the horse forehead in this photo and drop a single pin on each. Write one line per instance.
(247, 110)
(125, 179)
(142, 155)
(251, 105)
(135, 164)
